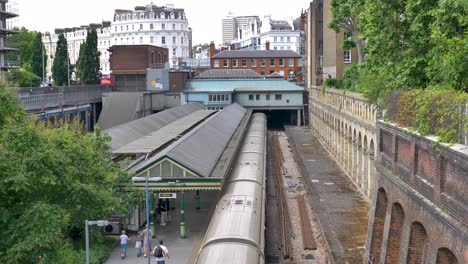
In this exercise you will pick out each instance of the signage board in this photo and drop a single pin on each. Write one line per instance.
(167, 195)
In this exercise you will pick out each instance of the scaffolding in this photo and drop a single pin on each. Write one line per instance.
(9, 52)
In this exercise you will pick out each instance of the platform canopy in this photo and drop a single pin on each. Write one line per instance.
(188, 163)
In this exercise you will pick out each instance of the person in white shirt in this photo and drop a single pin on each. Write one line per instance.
(161, 253)
(123, 244)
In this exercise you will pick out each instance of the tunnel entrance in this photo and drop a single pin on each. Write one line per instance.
(279, 118)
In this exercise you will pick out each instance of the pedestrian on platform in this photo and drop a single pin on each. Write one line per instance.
(138, 246)
(163, 213)
(123, 244)
(161, 253)
(146, 246)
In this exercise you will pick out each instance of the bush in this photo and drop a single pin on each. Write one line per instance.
(332, 82)
(432, 111)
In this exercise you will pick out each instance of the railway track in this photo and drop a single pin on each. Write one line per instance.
(277, 172)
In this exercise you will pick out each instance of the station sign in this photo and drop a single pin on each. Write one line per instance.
(167, 195)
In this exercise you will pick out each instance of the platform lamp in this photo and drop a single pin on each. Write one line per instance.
(147, 180)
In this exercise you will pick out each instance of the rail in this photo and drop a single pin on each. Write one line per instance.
(45, 97)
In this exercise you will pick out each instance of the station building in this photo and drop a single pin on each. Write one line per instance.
(189, 147)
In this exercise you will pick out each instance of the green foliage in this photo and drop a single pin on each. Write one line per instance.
(332, 82)
(10, 110)
(350, 78)
(24, 39)
(346, 15)
(89, 64)
(24, 77)
(51, 181)
(38, 57)
(59, 66)
(80, 62)
(433, 111)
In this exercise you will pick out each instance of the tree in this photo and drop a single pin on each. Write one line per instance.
(24, 39)
(51, 180)
(38, 57)
(345, 16)
(59, 66)
(89, 64)
(80, 62)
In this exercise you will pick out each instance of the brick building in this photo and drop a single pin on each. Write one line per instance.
(287, 63)
(129, 64)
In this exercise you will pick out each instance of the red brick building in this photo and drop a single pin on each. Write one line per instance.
(287, 63)
(129, 64)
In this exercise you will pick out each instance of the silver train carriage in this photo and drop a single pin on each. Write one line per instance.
(236, 233)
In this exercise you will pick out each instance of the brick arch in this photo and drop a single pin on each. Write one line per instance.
(417, 246)
(378, 226)
(394, 234)
(445, 256)
(365, 165)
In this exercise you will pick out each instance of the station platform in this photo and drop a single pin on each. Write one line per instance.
(180, 250)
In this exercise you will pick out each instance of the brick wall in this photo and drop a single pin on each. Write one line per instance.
(426, 185)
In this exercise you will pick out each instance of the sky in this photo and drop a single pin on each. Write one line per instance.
(204, 16)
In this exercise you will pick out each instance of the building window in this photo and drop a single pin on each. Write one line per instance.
(267, 97)
(151, 15)
(163, 26)
(281, 62)
(234, 63)
(174, 51)
(133, 27)
(162, 15)
(253, 63)
(225, 63)
(173, 26)
(151, 39)
(289, 39)
(244, 63)
(251, 97)
(133, 40)
(163, 40)
(290, 62)
(282, 39)
(151, 26)
(121, 28)
(216, 63)
(141, 40)
(262, 62)
(347, 56)
(182, 40)
(127, 27)
(275, 48)
(262, 72)
(142, 16)
(257, 97)
(275, 39)
(278, 97)
(174, 40)
(141, 26)
(272, 62)
(115, 28)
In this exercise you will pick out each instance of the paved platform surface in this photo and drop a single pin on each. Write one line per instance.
(180, 250)
(341, 209)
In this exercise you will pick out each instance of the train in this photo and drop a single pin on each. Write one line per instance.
(236, 233)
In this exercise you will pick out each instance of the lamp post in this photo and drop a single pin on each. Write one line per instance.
(88, 223)
(147, 179)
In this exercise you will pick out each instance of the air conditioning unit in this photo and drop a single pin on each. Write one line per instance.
(113, 228)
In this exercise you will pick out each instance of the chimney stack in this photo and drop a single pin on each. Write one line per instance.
(267, 45)
(212, 49)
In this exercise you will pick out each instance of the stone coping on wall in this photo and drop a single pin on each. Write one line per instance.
(457, 148)
(354, 95)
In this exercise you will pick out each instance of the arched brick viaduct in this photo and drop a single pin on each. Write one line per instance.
(417, 188)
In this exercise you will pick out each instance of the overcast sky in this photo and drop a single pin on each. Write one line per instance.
(204, 16)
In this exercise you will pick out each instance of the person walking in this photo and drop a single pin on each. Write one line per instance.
(123, 244)
(146, 246)
(163, 209)
(138, 245)
(161, 253)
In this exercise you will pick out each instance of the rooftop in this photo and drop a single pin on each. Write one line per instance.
(229, 74)
(228, 54)
(240, 85)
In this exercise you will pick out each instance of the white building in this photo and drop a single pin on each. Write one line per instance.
(165, 27)
(75, 37)
(282, 35)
